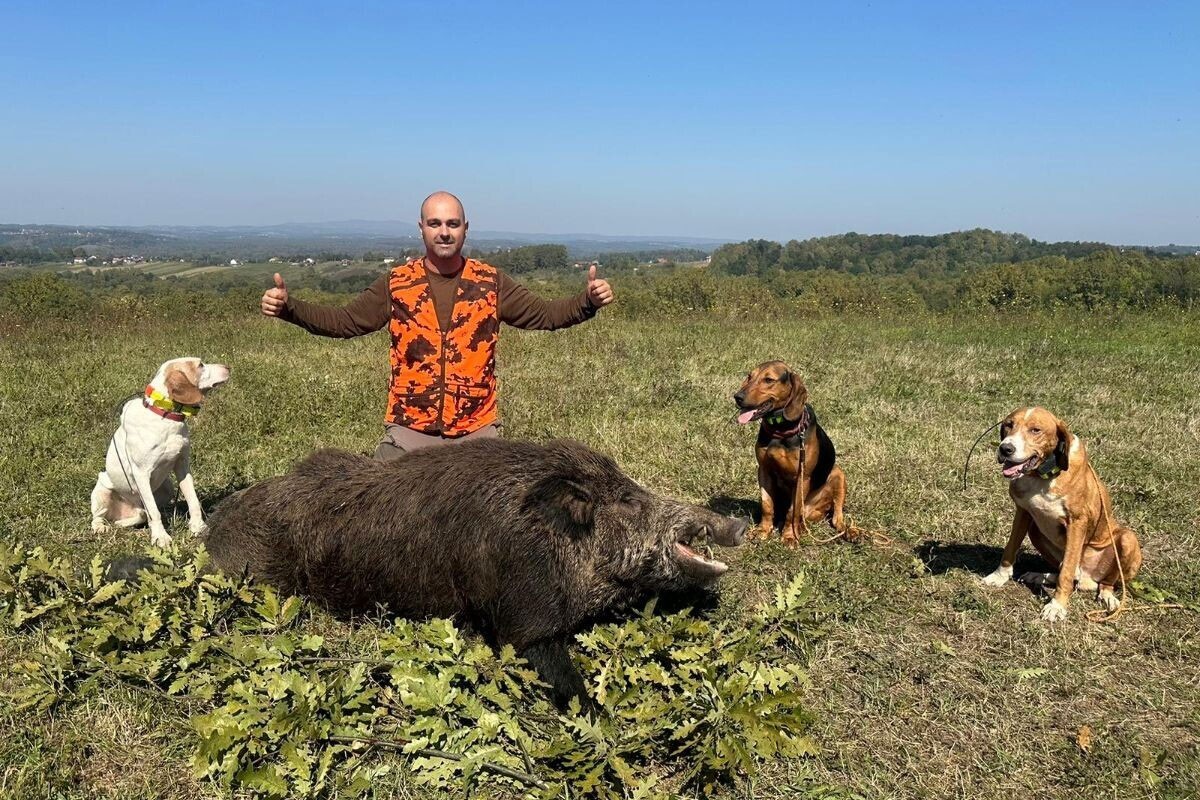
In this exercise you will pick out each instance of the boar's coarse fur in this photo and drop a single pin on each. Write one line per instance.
(525, 541)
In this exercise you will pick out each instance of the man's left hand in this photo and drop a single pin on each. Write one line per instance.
(599, 292)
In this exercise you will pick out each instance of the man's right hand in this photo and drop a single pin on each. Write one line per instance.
(275, 300)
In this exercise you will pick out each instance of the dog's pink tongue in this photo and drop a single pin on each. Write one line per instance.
(745, 417)
(1012, 471)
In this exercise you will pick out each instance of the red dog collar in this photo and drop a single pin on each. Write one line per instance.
(166, 407)
(174, 416)
(801, 426)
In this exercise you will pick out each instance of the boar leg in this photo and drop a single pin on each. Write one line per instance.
(553, 664)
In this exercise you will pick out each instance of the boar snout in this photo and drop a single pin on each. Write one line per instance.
(730, 532)
(712, 529)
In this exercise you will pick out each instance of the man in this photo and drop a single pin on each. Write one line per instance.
(443, 312)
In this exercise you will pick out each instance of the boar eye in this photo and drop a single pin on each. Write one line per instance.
(632, 502)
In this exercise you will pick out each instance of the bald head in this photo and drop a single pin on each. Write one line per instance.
(442, 205)
(443, 226)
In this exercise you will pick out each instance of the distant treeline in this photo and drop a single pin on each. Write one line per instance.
(1103, 280)
(529, 258)
(36, 255)
(889, 254)
(1099, 281)
(626, 262)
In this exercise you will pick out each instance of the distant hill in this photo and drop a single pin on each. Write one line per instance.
(945, 254)
(350, 238)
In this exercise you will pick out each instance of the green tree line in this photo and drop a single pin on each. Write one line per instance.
(890, 254)
(1103, 280)
(530, 258)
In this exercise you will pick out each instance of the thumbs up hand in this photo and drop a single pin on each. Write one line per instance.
(599, 292)
(275, 300)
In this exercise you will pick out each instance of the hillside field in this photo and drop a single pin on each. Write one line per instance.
(926, 684)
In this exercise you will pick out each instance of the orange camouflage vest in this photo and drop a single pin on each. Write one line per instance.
(443, 382)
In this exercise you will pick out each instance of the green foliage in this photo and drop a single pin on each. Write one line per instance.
(42, 294)
(755, 257)
(890, 254)
(516, 260)
(746, 279)
(678, 701)
(675, 686)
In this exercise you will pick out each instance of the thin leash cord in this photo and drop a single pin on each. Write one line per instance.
(853, 533)
(1100, 616)
(1095, 616)
(850, 531)
(971, 452)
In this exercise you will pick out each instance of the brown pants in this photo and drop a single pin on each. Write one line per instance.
(398, 440)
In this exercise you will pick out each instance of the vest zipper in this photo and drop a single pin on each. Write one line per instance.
(441, 425)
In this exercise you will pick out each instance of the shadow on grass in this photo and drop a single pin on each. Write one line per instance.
(729, 506)
(979, 559)
(210, 497)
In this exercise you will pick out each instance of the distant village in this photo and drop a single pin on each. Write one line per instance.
(136, 260)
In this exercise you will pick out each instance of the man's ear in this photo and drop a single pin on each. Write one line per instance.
(1062, 449)
(181, 388)
(799, 396)
(563, 503)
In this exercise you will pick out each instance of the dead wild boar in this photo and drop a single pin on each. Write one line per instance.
(525, 541)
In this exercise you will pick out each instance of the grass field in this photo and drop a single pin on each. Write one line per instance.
(929, 684)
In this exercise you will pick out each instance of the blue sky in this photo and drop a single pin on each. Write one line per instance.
(732, 120)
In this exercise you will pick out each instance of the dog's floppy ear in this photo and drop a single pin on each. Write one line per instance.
(799, 396)
(182, 388)
(565, 504)
(1063, 447)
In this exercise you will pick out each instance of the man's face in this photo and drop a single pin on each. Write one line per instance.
(443, 227)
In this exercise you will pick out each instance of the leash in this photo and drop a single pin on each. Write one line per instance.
(850, 532)
(853, 533)
(971, 452)
(1097, 615)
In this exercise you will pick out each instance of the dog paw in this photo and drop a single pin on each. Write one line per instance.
(160, 539)
(197, 527)
(1110, 600)
(999, 577)
(790, 540)
(99, 526)
(1054, 612)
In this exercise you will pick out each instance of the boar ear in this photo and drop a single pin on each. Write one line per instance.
(1063, 447)
(565, 504)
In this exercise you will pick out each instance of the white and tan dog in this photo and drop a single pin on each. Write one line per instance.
(1064, 509)
(151, 444)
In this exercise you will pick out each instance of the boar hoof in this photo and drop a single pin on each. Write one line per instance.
(554, 666)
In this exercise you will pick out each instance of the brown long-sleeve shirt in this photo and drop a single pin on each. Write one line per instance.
(371, 310)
